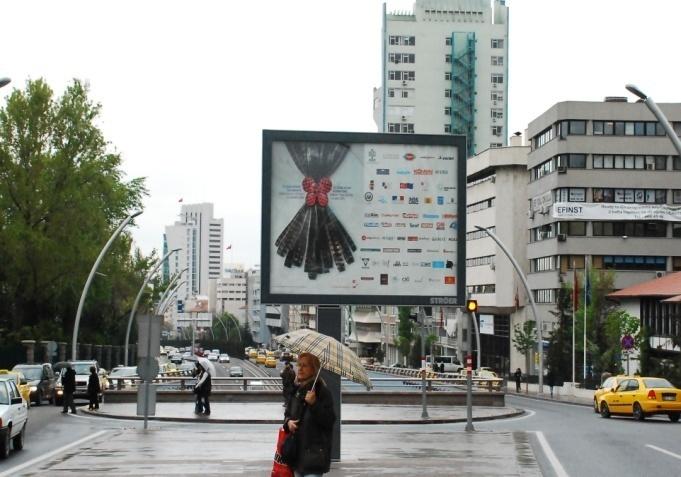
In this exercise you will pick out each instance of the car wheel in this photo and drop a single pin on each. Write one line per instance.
(18, 440)
(674, 416)
(605, 411)
(639, 415)
(4, 447)
(39, 399)
(595, 406)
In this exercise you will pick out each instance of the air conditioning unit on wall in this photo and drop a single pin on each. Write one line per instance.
(561, 237)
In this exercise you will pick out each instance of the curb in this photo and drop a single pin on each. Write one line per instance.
(207, 420)
(537, 398)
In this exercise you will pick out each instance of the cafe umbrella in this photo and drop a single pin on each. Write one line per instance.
(333, 356)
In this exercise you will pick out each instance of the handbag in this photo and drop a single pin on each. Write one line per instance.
(279, 467)
(315, 459)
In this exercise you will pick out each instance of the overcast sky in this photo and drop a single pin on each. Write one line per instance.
(187, 87)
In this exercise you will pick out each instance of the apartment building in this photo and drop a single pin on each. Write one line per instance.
(445, 71)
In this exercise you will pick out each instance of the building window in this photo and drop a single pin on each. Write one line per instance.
(627, 128)
(497, 61)
(616, 161)
(497, 130)
(545, 295)
(405, 93)
(676, 196)
(405, 128)
(497, 78)
(448, 93)
(448, 111)
(479, 261)
(497, 113)
(495, 145)
(676, 230)
(401, 75)
(480, 289)
(402, 40)
(630, 262)
(676, 163)
(401, 57)
(497, 43)
(448, 58)
(633, 196)
(546, 167)
(448, 41)
(479, 234)
(482, 205)
(448, 75)
(543, 232)
(496, 96)
(572, 161)
(573, 127)
(391, 92)
(630, 229)
(542, 138)
(569, 194)
(448, 128)
(543, 264)
(576, 229)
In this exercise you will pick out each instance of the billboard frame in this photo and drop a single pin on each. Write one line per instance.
(271, 136)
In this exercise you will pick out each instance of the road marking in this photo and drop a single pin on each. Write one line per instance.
(18, 468)
(664, 451)
(553, 460)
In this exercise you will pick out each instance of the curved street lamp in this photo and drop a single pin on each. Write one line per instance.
(139, 296)
(173, 294)
(657, 112)
(4, 82)
(168, 288)
(76, 324)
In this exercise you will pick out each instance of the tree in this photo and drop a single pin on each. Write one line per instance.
(559, 356)
(62, 194)
(618, 324)
(525, 340)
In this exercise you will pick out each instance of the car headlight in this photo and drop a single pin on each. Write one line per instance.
(34, 389)
(60, 392)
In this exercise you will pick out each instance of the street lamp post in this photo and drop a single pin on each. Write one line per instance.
(173, 293)
(537, 318)
(139, 296)
(4, 81)
(113, 237)
(168, 288)
(657, 112)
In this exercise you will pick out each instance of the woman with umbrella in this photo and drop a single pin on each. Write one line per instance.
(203, 386)
(310, 417)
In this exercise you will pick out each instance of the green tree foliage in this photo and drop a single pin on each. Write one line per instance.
(62, 193)
(618, 323)
(525, 340)
(559, 356)
(227, 328)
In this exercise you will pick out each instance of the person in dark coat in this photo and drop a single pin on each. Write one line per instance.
(68, 382)
(288, 378)
(517, 375)
(202, 389)
(310, 416)
(93, 389)
(550, 381)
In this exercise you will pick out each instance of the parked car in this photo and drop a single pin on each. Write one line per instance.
(13, 416)
(212, 357)
(641, 397)
(236, 372)
(20, 382)
(41, 381)
(224, 358)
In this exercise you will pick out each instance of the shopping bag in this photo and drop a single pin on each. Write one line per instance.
(279, 468)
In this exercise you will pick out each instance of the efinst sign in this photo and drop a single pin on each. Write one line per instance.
(362, 218)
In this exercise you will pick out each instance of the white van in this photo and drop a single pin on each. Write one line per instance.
(451, 363)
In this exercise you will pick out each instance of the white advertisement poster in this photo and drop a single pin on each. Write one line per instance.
(486, 324)
(363, 219)
(615, 211)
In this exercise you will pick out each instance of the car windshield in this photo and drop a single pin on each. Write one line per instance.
(657, 383)
(82, 368)
(119, 372)
(31, 373)
(4, 397)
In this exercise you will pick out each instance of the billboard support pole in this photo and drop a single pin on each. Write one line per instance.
(330, 323)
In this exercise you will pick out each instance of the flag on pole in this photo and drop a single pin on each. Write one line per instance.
(587, 287)
(575, 288)
(228, 247)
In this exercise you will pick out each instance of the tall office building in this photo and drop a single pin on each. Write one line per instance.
(445, 71)
(199, 235)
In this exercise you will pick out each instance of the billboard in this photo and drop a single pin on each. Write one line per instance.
(196, 304)
(361, 218)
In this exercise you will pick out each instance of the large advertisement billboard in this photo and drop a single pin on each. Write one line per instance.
(361, 218)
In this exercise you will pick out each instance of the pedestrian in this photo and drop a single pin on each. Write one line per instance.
(288, 377)
(68, 382)
(93, 389)
(550, 380)
(198, 402)
(518, 375)
(202, 389)
(310, 416)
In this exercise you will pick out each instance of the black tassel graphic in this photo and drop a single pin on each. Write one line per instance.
(315, 238)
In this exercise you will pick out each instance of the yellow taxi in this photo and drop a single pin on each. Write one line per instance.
(641, 397)
(253, 354)
(607, 386)
(262, 357)
(21, 382)
(271, 362)
(269, 353)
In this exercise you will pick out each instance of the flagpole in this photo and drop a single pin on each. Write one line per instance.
(575, 294)
(586, 285)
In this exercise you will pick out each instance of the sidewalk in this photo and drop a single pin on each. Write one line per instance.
(273, 413)
(206, 451)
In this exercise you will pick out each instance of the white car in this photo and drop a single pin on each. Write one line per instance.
(212, 357)
(224, 358)
(13, 416)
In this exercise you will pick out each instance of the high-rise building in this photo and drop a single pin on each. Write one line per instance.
(445, 71)
(199, 235)
(231, 293)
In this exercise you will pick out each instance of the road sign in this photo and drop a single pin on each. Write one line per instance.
(148, 335)
(147, 368)
(627, 342)
(52, 347)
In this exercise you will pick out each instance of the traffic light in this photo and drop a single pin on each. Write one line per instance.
(472, 306)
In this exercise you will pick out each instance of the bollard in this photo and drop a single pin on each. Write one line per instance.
(30, 350)
(62, 351)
